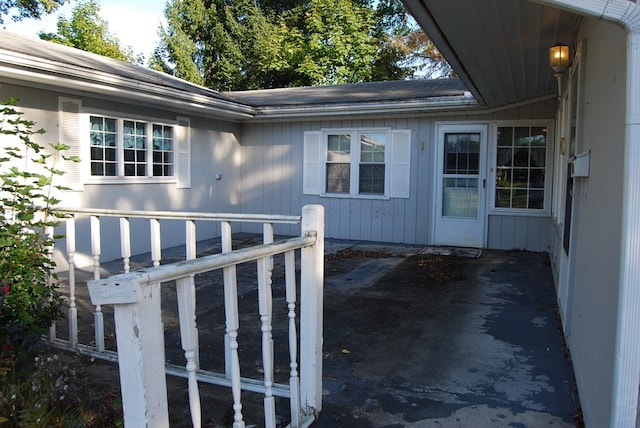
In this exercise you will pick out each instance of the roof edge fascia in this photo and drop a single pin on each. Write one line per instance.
(22, 68)
(450, 103)
(444, 111)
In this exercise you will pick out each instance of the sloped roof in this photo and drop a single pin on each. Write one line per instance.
(46, 64)
(401, 90)
(382, 98)
(54, 53)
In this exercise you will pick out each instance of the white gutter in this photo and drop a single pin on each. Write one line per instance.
(398, 107)
(626, 381)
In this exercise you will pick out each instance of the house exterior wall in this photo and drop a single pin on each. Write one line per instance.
(272, 162)
(591, 299)
(214, 149)
(507, 232)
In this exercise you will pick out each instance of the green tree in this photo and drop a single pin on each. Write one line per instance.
(407, 44)
(244, 44)
(223, 45)
(86, 30)
(20, 9)
(335, 42)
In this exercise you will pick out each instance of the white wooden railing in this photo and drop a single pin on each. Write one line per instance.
(135, 297)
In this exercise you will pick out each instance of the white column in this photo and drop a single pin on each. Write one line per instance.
(627, 365)
(311, 303)
(141, 356)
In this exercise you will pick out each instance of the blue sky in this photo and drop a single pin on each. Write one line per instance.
(134, 22)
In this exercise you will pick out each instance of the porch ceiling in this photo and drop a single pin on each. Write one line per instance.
(499, 48)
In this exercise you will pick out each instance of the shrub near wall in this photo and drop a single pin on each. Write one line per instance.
(29, 301)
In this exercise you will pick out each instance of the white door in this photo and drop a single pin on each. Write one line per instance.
(461, 185)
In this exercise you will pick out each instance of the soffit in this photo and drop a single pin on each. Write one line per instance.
(499, 48)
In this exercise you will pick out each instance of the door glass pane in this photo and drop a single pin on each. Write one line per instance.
(460, 197)
(462, 159)
(462, 153)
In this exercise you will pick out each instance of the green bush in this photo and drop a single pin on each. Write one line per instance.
(29, 300)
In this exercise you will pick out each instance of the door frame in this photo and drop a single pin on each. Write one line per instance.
(438, 158)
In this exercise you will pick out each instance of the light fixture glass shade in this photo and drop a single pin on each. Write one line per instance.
(559, 57)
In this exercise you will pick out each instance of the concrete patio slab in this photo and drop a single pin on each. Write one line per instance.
(447, 341)
(410, 340)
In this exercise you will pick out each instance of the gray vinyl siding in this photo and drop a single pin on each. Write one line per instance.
(272, 156)
(507, 232)
(214, 150)
(590, 300)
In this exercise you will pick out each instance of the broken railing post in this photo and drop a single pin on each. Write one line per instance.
(140, 340)
(311, 304)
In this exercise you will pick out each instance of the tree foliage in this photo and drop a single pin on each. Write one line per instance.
(248, 44)
(86, 30)
(20, 9)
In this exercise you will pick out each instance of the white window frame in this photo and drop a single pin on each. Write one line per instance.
(120, 177)
(354, 161)
(548, 178)
(397, 165)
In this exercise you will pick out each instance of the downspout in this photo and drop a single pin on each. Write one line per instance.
(626, 381)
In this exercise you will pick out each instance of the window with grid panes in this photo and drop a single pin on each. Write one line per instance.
(355, 163)
(129, 148)
(162, 151)
(521, 167)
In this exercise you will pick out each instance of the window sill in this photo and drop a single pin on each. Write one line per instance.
(131, 180)
(521, 212)
(359, 197)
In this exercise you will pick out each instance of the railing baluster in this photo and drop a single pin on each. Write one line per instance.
(294, 381)
(265, 305)
(190, 253)
(95, 251)
(227, 246)
(232, 360)
(267, 238)
(125, 242)
(305, 362)
(50, 233)
(156, 249)
(73, 310)
(188, 336)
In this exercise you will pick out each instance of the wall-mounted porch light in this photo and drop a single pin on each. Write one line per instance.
(559, 61)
